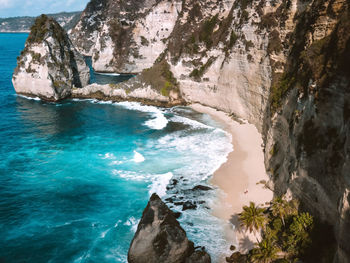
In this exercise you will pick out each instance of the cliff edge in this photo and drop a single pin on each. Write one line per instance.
(49, 66)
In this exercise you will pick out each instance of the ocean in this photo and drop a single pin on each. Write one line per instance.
(75, 176)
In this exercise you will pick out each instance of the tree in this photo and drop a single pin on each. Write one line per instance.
(282, 208)
(265, 252)
(299, 233)
(252, 217)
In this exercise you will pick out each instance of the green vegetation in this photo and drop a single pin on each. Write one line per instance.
(252, 217)
(38, 30)
(198, 73)
(233, 40)
(206, 32)
(275, 44)
(244, 17)
(166, 89)
(279, 89)
(243, 4)
(286, 233)
(59, 83)
(274, 150)
(160, 77)
(268, 21)
(144, 41)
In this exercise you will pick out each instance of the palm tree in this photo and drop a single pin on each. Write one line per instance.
(252, 217)
(281, 208)
(265, 252)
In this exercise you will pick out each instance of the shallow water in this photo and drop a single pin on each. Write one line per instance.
(75, 176)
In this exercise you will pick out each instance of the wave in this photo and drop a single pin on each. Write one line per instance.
(109, 156)
(107, 74)
(132, 222)
(138, 157)
(158, 122)
(28, 98)
(193, 123)
(160, 183)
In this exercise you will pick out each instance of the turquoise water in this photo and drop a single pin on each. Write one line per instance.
(75, 176)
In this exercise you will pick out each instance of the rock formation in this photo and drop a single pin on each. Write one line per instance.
(160, 238)
(125, 36)
(49, 66)
(282, 65)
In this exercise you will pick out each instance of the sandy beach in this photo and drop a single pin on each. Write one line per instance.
(239, 177)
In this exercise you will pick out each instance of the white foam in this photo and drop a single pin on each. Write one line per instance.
(110, 156)
(194, 124)
(132, 222)
(159, 184)
(118, 222)
(116, 162)
(105, 102)
(138, 157)
(202, 153)
(104, 233)
(107, 74)
(130, 175)
(158, 122)
(28, 98)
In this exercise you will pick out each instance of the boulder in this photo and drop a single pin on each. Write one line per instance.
(49, 67)
(160, 238)
(199, 257)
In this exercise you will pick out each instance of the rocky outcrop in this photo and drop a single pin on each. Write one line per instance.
(49, 66)
(160, 238)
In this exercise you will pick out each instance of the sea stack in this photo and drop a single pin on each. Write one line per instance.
(49, 67)
(160, 238)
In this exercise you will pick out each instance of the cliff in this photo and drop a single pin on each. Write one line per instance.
(307, 129)
(282, 65)
(67, 20)
(160, 238)
(49, 66)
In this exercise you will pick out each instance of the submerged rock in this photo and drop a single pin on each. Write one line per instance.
(49, 66)
(160, 238)
(201, 188)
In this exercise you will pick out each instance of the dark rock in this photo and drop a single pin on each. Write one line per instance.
(237, 257)
(232, 248)
(177, 214)
(201, 188)
(188, 205)
(170, 200)
(160, 238)
(199, 257)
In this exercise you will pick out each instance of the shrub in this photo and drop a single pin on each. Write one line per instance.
(206, 32)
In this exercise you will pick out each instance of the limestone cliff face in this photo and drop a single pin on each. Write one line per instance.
(49, 66)
(282, 65)
(307, 129)
(125, 36)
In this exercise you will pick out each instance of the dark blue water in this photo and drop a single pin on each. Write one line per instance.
(105, 78)
(76, 176)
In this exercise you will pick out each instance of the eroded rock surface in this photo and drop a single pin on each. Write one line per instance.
(49, 66)
(160, 238)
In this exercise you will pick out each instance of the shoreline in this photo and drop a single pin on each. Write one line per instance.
(238, 178)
